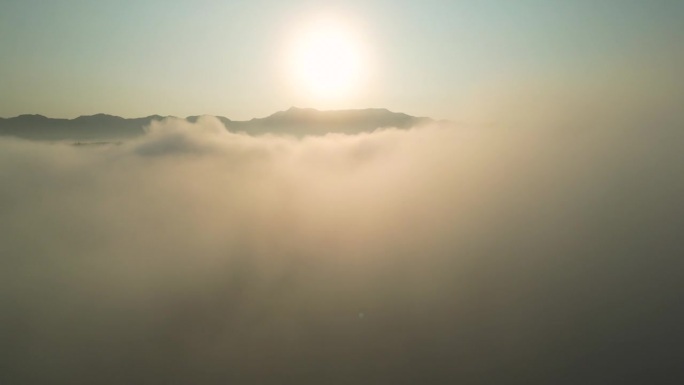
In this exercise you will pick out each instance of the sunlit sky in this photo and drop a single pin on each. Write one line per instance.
(233, 58)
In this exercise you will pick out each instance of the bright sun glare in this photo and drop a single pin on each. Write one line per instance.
(327, 61)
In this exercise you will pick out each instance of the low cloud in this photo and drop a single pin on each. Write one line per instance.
(544, 253)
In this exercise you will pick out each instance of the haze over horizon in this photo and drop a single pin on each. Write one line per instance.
(534, 237)
(291, 108)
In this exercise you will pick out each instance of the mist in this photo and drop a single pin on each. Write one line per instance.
(540, 248)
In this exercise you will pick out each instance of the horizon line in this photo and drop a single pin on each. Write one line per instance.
(292, 108)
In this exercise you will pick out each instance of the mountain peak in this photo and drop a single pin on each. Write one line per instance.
(300, 110)
(31, 117)
(99, 116)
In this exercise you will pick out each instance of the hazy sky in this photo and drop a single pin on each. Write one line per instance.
(134, 58)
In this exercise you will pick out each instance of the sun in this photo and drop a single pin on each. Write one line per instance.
(327, 61)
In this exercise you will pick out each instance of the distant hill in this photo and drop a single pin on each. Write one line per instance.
(297, 122)
(308, 121)
(86, 128)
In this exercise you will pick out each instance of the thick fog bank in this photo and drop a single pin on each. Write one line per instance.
(541, 253)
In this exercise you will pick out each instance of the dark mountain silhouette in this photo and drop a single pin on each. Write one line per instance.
(87, 128)
(308, 121)
(297, 122)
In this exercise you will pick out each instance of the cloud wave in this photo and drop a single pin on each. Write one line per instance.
(433, 255)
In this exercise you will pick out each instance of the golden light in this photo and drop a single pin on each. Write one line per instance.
(326, 61)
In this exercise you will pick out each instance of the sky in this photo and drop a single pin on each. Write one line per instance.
(426, 58)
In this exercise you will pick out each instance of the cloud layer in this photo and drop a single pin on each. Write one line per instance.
(544, 252)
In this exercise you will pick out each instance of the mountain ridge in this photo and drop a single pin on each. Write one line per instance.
(295, 121)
